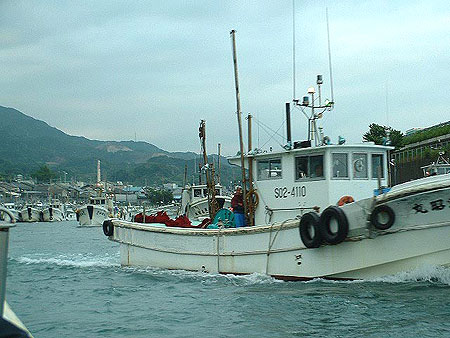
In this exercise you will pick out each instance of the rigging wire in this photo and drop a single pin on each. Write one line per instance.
(269, 130)
(262, 124)
(293, 48)
(329, 58)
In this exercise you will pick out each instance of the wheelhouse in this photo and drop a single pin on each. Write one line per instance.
(300, 180)
(97, 201)
(201, 191)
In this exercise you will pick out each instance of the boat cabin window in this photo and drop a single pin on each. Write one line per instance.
(309, 167)
(103, 202)
(359, 165)
(205, 192)
(377, 161)
(340, 165)
(218, 192)
(269, 169)
(197, 192)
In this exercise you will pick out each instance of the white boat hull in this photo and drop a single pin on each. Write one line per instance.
(92, 215)
(417, 238)
(71, 216)
(52, 215)
(30, 214)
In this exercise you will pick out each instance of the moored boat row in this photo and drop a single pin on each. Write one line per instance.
(54, 212)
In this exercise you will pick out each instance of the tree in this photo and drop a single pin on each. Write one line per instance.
(159, 196)
(43, 175)
(378, 135)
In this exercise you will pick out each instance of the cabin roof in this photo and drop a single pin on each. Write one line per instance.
(369, 146)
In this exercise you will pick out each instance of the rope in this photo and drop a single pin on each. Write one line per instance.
(218, 253)
(290, 209)
(272, 241)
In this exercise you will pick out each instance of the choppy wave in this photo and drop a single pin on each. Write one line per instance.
(206, 277)
(78, 261)
(426, 273)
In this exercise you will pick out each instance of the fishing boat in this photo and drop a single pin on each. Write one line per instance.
(70, 215)
(314, 210)
(98, 208)
(12, 208)
(438, 167)
(194, 201)
(53, 213)
(95, 212)
(30, 213)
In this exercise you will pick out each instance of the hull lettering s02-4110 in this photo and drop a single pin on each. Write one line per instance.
(285, 192)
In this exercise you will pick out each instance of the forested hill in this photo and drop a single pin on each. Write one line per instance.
(27, 144)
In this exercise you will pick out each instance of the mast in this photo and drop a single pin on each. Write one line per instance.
(99, 189)
(329, 58)
(239, 113)
(98, 172)
(250, 206)
(218, 163)
(185, 175)
(212, 203)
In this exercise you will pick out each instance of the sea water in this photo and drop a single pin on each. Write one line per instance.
(66, 281)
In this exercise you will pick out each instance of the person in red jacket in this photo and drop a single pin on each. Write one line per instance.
(237, 203)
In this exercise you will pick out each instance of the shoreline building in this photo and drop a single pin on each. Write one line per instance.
(409, 159)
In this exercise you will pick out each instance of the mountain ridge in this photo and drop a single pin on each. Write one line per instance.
(29, 143)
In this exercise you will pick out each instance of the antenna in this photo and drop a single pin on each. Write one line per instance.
(329, 58)
(293, 48)
(387, 103)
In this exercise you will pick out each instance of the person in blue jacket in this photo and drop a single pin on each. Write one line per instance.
(237, 203)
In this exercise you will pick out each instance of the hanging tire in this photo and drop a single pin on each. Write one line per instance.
(333, 225)
(386, 220)
(108, 228)
(309, 230)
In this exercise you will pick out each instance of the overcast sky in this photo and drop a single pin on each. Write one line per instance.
(116, 70)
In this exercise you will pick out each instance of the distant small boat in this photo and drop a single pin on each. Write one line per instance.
(439, 167)
(194, 201)
(12, 208)
(99, 207)
(30, 214)
(70, 215)
(95, 212)
(53, 213)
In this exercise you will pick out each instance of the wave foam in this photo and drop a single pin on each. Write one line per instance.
(426, 273)
(207, 277)
(78, 261)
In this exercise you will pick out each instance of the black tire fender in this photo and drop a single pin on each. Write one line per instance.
(309, 230)
(375, 220)
(108, 227)
(326, 219)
